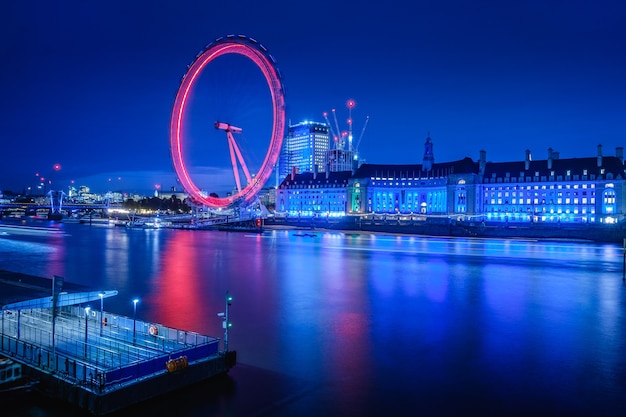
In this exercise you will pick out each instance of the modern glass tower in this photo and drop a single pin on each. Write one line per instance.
(304, 148)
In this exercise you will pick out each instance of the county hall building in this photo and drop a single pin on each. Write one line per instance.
(550, 191)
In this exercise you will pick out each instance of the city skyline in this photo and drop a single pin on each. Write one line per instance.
(91, 86)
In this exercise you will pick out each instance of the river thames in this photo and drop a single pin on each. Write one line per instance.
(350, 324)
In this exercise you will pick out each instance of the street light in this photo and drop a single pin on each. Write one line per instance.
(86, 327)
(226, 324)
(101, 311)
(135, 301)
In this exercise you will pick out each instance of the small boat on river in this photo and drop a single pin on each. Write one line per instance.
(12, 380)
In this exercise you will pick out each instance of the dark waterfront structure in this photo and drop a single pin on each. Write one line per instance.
(554, 197)
(94, 359)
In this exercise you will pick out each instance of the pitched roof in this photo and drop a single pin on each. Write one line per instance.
(309, 178)
(463, 166)
(576, 166)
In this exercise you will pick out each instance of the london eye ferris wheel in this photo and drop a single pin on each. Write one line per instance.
(232, 87)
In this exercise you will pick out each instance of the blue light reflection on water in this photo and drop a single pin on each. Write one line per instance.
(375, 323)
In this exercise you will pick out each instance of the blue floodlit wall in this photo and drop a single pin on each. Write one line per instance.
(577, 190)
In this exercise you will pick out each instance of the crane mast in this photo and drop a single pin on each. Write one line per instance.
(358, 142)
(340, 143)
(343, 155)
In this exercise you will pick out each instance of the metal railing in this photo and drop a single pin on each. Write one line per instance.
(97, 358)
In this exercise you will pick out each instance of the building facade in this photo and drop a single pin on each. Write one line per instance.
(304, 148)
(549, 191)
(554, 190)
(313, 195)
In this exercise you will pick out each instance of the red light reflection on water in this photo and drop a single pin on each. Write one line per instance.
(176, 292)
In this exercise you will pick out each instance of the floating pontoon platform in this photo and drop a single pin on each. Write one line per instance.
(98, 361)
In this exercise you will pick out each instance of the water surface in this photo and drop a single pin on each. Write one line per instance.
(363, 324)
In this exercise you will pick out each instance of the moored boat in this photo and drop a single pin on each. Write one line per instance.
(12, 380)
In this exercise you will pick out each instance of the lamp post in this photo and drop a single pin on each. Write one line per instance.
(226, 324)
(86, 327)
(101, 311)
(135, 301)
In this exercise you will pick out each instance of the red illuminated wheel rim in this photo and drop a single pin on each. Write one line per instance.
(255, 52)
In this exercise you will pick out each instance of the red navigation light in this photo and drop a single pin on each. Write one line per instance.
(57, 167)
(351, 103)
(325, 114)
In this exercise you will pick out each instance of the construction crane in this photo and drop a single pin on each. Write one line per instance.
(358, 142)
(340, 137)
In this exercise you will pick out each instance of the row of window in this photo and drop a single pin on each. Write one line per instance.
(545, 187)
(583, 200)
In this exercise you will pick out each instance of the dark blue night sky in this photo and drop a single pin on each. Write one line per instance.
(90, 84)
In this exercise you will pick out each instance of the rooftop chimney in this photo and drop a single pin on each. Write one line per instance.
(599, 155)
(482, 163)
(550, 156)
(619, 152)
(293, 172)
(528, 159)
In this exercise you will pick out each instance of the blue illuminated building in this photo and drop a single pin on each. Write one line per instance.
(552, 191)
(313, 195)
(304, 148)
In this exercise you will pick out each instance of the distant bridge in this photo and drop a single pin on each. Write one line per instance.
(66, 206)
